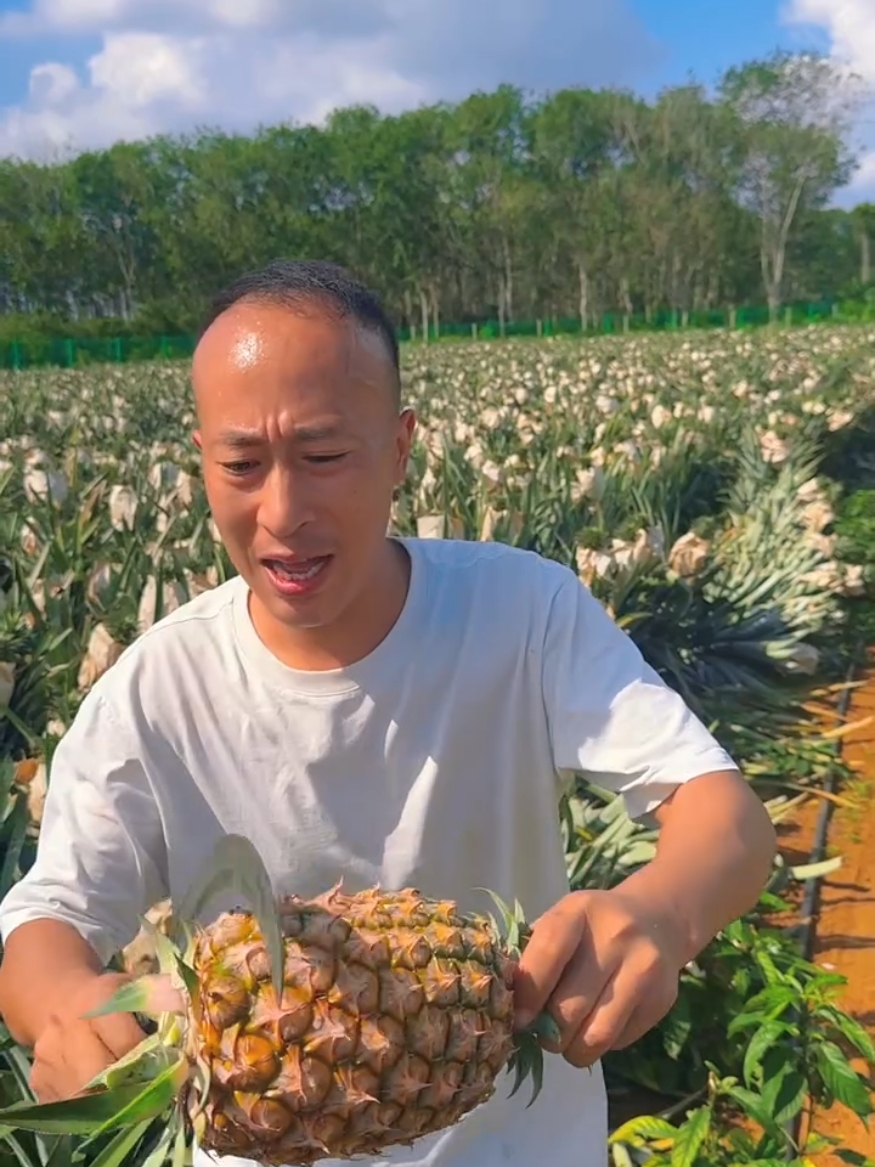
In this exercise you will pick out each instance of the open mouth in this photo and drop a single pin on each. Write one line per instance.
(296, 577)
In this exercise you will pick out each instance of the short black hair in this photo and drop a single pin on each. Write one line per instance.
(292, 282)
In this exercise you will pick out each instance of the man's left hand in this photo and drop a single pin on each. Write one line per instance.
(605, 966)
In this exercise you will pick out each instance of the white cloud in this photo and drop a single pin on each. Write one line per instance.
(169, 65)
(850, 25)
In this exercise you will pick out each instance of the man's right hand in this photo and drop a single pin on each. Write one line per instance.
(72, 1049)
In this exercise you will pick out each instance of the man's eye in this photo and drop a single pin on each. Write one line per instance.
(320, 458)
(238, 467)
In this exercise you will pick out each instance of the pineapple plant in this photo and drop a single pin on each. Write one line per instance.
(331, 1027)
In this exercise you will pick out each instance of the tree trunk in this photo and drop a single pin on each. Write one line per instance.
(625, 296)
(865, 259)
(423, 304)
(583, 301)
(508, 277)
(773, 252)
(773, 292)
(435, 310)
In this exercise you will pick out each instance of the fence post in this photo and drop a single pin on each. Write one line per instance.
(474, 330)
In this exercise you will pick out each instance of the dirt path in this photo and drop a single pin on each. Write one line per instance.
(844, 939)
(845, 929)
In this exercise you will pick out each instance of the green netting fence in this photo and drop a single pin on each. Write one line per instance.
(75, 352)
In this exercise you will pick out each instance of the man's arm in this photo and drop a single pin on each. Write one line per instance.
(606, 963)
(714, 855)
(100, 864)
(612, 716)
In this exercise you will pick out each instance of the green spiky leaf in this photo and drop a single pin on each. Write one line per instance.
(236, 866)
(82, 1116)
(117, 1150)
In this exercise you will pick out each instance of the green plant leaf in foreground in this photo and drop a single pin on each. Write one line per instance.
(117, 1149)
(691, 1137)
(93, 1114)
(842, 1080)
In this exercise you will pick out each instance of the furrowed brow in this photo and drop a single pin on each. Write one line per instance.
(240, 439)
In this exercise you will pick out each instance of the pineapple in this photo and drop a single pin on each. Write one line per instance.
(332, 1027)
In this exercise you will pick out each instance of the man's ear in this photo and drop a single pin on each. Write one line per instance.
(406, 427)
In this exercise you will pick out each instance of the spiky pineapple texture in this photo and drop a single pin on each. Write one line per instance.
(331, 1027)
(395, 1020)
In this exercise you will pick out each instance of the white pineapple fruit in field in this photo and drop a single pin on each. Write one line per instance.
(185, 488)
(30, 775)
(688, 555)
(41, 484)
(140, 957)
(7, 683)
(589, 483)
(29, 540)
(648, 546)
(102, 653)
(817, 515)
(199, 582)
(173, 597)
(430, 526)
(593, 564)
(123, 505)
(773, 449)
(99, 583)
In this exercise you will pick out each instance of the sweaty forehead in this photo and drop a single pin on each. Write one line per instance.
(261, 344)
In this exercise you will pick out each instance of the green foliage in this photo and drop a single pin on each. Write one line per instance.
(501, 207)
(749, 453)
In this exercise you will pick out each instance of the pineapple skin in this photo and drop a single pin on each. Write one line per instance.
(396, 1020)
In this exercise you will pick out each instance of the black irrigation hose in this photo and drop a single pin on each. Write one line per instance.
(812, 885)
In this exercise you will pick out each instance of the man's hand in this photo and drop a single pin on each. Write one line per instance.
(73, 1049)
(604, 966)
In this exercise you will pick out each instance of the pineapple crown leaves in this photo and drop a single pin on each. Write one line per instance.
(527, 1059)
(236, 866)
(148, 1081)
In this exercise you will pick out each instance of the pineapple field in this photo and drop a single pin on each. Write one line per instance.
(717, 493)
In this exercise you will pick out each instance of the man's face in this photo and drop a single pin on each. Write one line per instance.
(303, 445)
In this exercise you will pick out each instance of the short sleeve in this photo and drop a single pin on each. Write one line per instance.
(100, 860)
(610, 715)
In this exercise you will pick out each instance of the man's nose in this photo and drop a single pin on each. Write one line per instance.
(285, 504)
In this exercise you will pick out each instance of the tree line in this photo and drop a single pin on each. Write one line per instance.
(502, 206)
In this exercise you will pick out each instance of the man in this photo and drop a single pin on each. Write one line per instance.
(379, 710)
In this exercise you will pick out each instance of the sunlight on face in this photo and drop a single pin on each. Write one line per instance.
(303, 445)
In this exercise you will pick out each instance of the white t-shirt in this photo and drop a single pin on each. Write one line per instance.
(436, 762)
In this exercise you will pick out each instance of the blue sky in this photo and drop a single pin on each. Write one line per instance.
(80, 73)
(709, 36)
